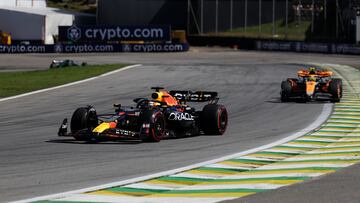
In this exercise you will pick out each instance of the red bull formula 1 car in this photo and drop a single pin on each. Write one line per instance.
(166, 114)
(312, 84)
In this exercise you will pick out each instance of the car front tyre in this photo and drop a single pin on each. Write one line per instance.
(214, 119)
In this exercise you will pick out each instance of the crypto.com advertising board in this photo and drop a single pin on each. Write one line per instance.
(88, 48)
(114, 33)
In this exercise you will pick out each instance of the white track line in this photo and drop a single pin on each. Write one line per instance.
(326, 111)
(69, 84)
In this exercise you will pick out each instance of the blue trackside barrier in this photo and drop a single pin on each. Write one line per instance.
(330, 48)
(89, 48)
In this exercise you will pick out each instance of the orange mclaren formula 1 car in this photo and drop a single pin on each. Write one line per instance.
(312, 84)
(166, 114)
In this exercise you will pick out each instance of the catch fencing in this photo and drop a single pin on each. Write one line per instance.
(314, 20)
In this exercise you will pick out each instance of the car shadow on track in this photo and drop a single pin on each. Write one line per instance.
(115, 142)
(276, 100)
(72, 141)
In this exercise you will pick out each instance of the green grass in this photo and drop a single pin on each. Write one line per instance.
(294, 32)
(73, 5)
(14, 83)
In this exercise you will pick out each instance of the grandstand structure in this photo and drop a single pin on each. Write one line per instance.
(23, 3)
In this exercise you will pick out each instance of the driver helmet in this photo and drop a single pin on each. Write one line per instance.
(312, 69)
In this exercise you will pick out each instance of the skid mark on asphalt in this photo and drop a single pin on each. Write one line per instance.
(332, 146)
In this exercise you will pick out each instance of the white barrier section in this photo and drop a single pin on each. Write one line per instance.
(23, 3)
(53, 20)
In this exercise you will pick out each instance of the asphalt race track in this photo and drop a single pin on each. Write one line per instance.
(34, 161)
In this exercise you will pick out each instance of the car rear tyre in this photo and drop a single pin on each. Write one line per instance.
(156, 130)
(214, 119)
(84, 118)
(285, 91)
(335, 89)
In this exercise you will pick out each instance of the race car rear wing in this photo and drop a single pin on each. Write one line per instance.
(198, 96)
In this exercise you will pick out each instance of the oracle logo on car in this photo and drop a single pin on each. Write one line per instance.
(178, 116)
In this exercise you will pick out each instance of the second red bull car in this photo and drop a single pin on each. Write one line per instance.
(166, 114)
